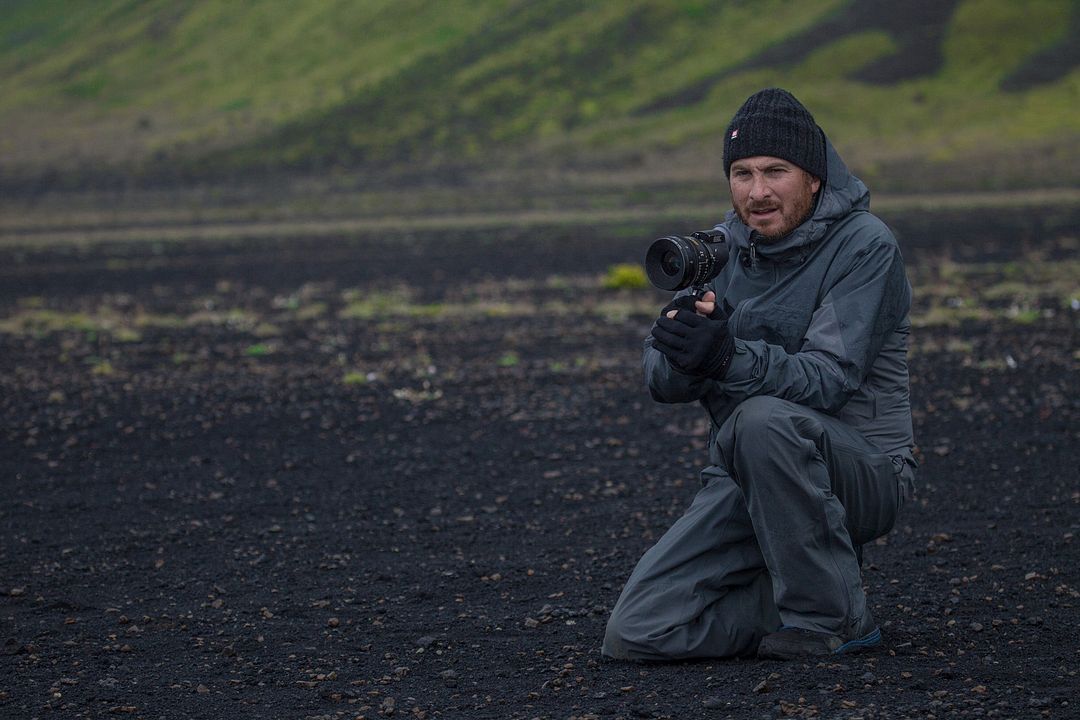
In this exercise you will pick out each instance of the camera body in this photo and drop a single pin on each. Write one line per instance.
(676, 262)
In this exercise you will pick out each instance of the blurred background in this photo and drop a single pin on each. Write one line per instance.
(401, 108)
(320, 340)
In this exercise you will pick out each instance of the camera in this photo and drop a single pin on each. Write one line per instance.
(675, 262)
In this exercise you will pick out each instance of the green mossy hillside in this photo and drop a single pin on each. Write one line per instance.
(984, 90)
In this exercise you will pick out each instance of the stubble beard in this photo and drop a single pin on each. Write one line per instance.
(800, 213)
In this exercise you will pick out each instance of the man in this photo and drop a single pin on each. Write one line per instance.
(798, 352)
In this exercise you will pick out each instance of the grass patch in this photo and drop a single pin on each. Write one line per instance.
(44, 321)
(354, 378)
(625, 276)
(397, 301)
(1023, 291)
(101, 368)
(470, 81)
(313, 311)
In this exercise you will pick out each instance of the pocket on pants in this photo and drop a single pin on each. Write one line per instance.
(867, 486)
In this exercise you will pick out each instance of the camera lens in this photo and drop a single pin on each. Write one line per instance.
(671, 264)
(675, 262)
(666, 263)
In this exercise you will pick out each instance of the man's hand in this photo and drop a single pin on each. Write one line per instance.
(696, 343)
(706, 306)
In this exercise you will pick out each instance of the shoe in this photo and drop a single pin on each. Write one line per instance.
(792, 643)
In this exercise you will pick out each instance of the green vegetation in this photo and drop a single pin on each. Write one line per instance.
(355, 378)
(397, 301)
(219, 86)
(949, 293)
(625, 276)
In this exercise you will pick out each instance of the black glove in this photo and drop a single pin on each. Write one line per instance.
(695, 345)
(683, 302)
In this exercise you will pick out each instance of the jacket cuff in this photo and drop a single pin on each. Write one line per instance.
(718, 366)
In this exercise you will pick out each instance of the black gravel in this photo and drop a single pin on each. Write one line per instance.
(269, 480)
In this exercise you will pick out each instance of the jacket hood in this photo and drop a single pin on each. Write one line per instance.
(841, 194)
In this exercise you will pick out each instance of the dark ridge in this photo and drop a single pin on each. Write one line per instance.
(1053, 63)
(918, 26)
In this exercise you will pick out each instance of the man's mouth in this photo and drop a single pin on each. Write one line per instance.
(762, 212)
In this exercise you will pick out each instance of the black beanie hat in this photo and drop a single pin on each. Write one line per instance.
(772, 122)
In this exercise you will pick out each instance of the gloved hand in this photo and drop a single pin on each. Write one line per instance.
(695, 345)
(683, 302)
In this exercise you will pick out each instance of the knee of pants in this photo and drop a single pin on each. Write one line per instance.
(634, 631)
(632, 624)
(620, 640)
(754, 414)
(750, 421)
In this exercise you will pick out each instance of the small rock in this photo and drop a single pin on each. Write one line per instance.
(976, 626)
(425, 641)
(713, 703)
(762, 687)
(202, 690)
(868, 677)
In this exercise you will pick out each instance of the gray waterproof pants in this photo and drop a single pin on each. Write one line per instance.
(769, 540)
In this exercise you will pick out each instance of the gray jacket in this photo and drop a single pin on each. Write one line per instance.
(819, 318)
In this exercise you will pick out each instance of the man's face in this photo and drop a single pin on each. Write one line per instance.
(771, 195)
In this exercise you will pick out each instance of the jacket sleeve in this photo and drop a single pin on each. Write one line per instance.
(845, 335)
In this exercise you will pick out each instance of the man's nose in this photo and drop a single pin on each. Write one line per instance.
(759, 189)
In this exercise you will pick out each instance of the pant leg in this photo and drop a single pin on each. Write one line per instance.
(701, 591)
(814, 489)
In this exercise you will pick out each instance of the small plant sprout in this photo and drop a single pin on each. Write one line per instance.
(355, 378)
